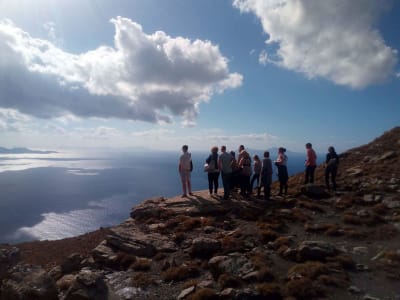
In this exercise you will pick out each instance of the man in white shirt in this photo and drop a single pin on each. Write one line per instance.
(185, 163)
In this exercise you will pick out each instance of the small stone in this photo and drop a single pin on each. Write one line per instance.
(362, 268)
(360, 250)
(186, 292)
(368, 297)
(354, 290)
(228, 292)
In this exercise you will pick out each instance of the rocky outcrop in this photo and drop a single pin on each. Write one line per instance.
(311, 244)
(26, 282)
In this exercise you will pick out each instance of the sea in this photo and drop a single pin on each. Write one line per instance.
(50, 196)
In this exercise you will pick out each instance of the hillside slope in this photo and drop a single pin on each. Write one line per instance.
(311, 244)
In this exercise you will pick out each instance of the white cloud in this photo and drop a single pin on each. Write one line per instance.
(332, 39)
(12, 120)
(263, 57)
(148, 77)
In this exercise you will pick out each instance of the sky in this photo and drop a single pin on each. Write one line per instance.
(158, 74)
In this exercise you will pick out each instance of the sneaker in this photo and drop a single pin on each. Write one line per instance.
(191, 194)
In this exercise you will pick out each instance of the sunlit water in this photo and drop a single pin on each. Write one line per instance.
(58, 195)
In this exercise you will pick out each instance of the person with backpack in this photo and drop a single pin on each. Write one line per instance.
(266, 175)
(332, 163)
(213, 170)
(281, 164)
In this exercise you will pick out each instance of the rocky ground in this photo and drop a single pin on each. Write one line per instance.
(310, 244)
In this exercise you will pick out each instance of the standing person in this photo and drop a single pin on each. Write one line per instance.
(213, 170)
(235, 171)
(266, 175)
(311, 164)
(225, 166)
(281, 163)
(185, 167)
(256, 174)
(332, 163)
(245, 165)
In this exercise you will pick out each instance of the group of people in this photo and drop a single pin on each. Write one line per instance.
(331, 163)
(242, 174)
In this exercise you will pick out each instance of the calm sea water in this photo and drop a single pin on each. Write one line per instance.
(53, 196)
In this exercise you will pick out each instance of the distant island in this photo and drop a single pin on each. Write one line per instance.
(23, 151)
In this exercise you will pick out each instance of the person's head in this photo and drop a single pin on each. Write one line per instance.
(266, 154)
(223, 148)
(214, 149)
(331, 149)
(185, 148)
(241, 148)
(281, 150)
(256, 158)
(308, 145)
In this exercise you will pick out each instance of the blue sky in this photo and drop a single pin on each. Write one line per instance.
(162, 73)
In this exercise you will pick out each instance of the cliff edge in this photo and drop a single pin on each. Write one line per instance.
(311, 244)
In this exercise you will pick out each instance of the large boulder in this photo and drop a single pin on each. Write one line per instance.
(128, 238)
(88, 285)
(27, 282)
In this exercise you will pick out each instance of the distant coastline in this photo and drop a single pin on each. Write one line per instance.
(23, 151)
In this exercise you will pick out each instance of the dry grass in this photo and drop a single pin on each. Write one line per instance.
(311, 206)
(270, 291)
(303, 288)
(226, 280)
(180, 273)
(125, 260)
(344, 261)
(268, 235)
(141, 264)
(308, 269)
(231, 244)
(142, 280)
(204, 294)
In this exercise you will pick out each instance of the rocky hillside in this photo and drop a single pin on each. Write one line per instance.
(311, 244)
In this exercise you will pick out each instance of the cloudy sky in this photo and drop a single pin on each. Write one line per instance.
(162, 73)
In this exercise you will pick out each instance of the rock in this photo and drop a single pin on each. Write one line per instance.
(88, 285)
(72, 263)
(314, 191)
(390, 203)
(56, 272)
(65, 282)
(227, 293)
(27, 282)
(369, 198)
(128, 292)
(151, 208)
(202, 246)
(209, 229)
(368, 297)
(130, 239)
(360, 250)
(234, 265)
(186, 292)
(363, 213)
(103, 254)
(362, 268)
(354, 171)
(8, 258)
(386, 155)
(354, 290)
(316, 250)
